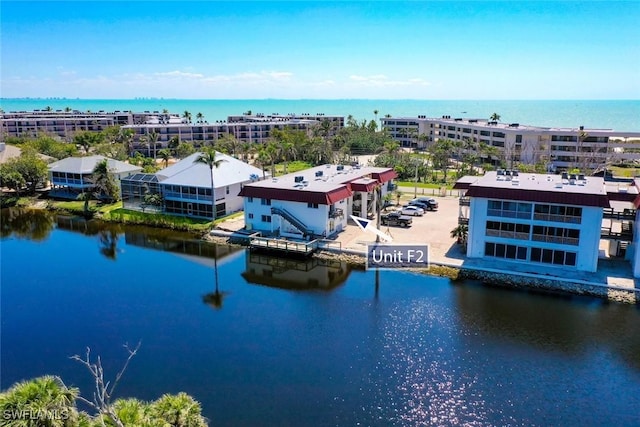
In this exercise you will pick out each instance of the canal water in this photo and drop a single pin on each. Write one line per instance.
(267, 341)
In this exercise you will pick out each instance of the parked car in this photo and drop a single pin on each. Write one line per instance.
(412, 210)
(429, 203)
(397, 219)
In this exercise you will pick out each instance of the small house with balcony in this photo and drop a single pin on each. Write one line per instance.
(315, 202)
(71, 176)
(185, 187)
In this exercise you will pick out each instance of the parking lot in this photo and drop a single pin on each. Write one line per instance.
(433, 228)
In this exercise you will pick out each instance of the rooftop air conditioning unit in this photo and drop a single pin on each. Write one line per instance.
(340, 167)
(298, 179)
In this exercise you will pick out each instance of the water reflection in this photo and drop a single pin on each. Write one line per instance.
(214, 299)
(22, 223)
(295, 274)
(569, 325)
(196, 250)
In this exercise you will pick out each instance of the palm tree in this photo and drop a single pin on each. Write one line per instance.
(103, 183)
(495, 117)
(187, 116)
(392, 148)
(199, 118)
(125, 137)
(246, 149)
(67, 109)
(460, 232)
(44, 401)
(209, 158)
(165, 155)
(153, 140)
(179, 410)
(375, 113)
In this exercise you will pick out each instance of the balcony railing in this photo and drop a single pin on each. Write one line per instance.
(463, 221)
(464, 201)
(555, 239)
(507, 234)
(183, 196)
(557, 218)
(508, 214)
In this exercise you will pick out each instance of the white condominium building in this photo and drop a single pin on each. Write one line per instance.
(556, 147)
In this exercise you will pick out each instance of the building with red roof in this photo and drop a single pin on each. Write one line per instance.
(314, 202)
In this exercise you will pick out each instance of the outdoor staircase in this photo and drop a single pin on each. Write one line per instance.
(293, 220)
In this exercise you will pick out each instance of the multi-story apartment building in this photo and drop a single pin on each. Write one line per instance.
(314, 202)
(64, 123)
(205, 133)
(536, 218)
(162, 125)
(558, 148)
(565, 221)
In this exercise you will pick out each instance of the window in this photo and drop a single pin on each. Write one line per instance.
(250, 199)
(509, 209)
(266, 218)
(312, 205)
(499, 250)
(227, 189)
(558, 213)
(250, 216)
(266, 202)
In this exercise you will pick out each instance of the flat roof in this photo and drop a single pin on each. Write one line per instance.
(484, 123)
(324, 184)
(324, 178)
(546, 188)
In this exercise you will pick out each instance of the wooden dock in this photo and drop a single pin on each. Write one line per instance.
(281, 245)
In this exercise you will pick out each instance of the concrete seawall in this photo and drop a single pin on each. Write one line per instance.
(490, 276)
(551, 284)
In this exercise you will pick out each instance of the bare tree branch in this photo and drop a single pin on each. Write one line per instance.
(104, 390)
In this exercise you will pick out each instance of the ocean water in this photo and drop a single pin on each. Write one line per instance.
(620, 115)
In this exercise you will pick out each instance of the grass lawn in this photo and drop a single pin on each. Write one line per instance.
(422, 185)
(624, 172)
(127, 216)
(292, 167)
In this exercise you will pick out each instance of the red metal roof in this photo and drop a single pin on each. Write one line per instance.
(365, 185)
(461, 185)
(562, 198)
(296, 195)
(384, 176)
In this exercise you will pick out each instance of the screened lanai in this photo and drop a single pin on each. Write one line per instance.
(135, 187)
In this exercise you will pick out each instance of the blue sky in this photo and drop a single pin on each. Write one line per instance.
(294, 49)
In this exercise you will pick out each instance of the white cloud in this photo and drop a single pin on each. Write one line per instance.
(180, 74)
(188, 83)
(380, 80)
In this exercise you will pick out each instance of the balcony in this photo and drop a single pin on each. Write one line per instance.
(557, 218)
(555, 239)
(508, 234)
(464, 201)
(463, 221)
